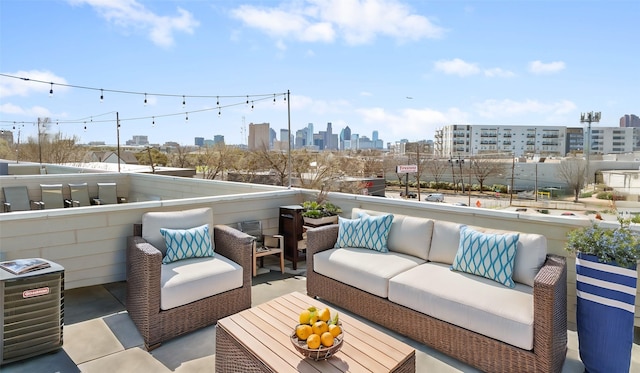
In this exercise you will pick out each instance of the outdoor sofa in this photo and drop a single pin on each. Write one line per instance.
(411, 290)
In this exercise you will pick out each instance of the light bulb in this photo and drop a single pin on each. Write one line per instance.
(183, 101)
(145, 99)
(153, 124)
(101, 96)
(51, 90)
(186, 118)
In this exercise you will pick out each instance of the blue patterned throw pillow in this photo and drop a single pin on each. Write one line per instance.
(187, 243)
(369, 232)
(487, 255)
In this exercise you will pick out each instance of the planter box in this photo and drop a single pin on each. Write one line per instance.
(318, 222)
(605, 311)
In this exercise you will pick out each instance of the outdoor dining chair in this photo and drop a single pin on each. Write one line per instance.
(16, 198)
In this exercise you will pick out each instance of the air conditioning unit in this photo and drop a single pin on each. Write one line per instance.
(32, 315)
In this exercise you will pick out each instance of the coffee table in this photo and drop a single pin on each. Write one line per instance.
(257, 340)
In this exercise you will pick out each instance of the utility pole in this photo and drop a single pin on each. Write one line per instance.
(589, 118)
(118, 136)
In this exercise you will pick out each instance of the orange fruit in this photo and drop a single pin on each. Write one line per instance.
(313, 319)
(303, 331)
(335, 330)
(313, 341)
(327, 339)
(320, 327)
(324, 315)
(305, 316)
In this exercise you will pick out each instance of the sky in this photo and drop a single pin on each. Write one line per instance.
(403, 68)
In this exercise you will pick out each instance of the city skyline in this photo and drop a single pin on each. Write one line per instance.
(405, 69)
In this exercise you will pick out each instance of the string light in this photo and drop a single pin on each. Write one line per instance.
(186, 118)
(184, 103)
(246, 99)
(153, 124)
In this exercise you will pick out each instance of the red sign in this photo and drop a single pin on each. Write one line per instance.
(405, 169)
(35, 292)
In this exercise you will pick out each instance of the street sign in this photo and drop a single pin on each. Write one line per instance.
(410, 168)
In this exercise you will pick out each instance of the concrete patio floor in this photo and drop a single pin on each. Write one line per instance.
(100, 337)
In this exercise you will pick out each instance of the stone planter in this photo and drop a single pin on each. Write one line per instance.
(605, 312)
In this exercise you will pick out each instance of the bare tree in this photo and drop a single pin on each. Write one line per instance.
(436, 168)
(180, 157)
(573, 171)
(215, 160)
(276, 162)
(485, 167)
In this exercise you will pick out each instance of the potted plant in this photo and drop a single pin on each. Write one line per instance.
(316, 213)
(606, 274)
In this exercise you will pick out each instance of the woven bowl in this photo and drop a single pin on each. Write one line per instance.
(320, 353)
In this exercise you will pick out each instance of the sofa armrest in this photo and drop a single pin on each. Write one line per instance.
(235, 245)
(320, 239)
(143, 281)
(550, 312)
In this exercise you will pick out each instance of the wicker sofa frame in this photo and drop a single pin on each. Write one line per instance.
(484, 353)
(143, 288)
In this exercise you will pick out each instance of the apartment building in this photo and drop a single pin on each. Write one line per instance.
(470, 140)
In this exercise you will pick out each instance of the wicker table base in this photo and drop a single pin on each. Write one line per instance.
(257, 340)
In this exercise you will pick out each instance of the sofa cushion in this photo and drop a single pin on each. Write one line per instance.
(187, 243)
(486, 254)
(189, 280)
(370, 232)
(365, 269)
(445, 241)
(408, 234)
(471, 302)
(153, 221)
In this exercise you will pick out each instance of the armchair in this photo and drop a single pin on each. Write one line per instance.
(149, 280)
(16, 198)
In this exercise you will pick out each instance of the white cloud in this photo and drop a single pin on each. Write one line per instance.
(497, 72)
(539, 67)
(132, 14)
(420, 123)
(19, 87)
(456, 66)
(496, 109)
(32, 112)
(355, 21)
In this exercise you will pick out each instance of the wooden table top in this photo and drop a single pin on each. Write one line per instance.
(264, 331)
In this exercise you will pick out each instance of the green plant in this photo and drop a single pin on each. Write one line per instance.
(620, 245)
(314, 209)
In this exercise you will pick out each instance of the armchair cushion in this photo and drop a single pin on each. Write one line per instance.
(189, 280)
(153, 221)
(187, 243)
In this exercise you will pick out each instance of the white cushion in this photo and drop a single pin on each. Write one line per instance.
(408, 235)
(153, 221)
(189, 280)
(471, 302)
(445, 241)
(365, 269)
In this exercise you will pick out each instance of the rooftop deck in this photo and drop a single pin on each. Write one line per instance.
(99, 336)
(89, 243)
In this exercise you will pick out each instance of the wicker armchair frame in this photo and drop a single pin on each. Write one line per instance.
(143, 288)
(484, 353)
